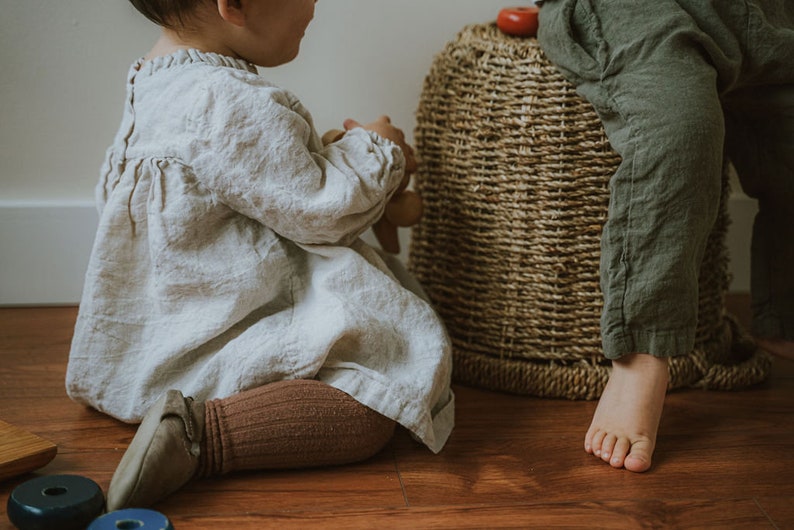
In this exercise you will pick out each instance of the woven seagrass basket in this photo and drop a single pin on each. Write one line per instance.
(514, 172)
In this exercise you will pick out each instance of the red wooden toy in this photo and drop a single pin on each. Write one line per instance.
(519, 21)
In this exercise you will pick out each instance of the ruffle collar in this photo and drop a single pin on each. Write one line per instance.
(187, 57)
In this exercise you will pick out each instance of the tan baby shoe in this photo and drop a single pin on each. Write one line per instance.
(163, 455)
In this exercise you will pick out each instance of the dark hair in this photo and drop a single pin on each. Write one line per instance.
(167, 13)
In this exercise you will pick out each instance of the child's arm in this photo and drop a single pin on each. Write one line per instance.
(405, 207)
(262, 157)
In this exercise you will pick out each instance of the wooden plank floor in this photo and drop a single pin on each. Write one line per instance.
(724, 459)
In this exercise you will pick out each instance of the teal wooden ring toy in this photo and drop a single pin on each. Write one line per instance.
(67, 502)
(132, 519)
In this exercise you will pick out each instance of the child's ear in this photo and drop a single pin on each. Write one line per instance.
(232, 11)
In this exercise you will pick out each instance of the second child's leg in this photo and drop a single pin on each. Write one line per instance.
(642, 66)
(760, 137)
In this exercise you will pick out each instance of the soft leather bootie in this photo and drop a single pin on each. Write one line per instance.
(162, 457)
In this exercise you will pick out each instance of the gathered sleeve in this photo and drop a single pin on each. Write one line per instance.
(255, 148)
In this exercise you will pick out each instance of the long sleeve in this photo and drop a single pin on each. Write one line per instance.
(260, 155)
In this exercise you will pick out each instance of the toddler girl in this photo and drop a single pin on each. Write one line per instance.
(227, 267)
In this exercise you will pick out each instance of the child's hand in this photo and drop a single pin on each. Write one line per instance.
(384, 127)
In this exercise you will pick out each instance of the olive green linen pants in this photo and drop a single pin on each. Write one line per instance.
(679, 86)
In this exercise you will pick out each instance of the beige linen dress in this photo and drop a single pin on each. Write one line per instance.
(228, 256)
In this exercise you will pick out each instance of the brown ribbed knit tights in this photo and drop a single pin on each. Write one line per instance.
(289, 424)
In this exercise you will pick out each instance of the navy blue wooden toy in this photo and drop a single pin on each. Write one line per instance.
(65, 502)
(132, 519)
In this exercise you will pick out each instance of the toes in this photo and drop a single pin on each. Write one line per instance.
(637, 464)
(619, 452)
(621, 449)
(639, 457)
(598, 439)
(607, 445)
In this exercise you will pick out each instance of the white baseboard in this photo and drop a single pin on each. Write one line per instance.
(44, 249)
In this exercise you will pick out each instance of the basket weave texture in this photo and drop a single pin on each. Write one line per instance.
(514, 173)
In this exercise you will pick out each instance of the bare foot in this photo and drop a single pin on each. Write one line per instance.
(623, 431)
(778, 347)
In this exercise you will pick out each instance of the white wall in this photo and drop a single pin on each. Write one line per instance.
(63, 66)
(62, 71)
